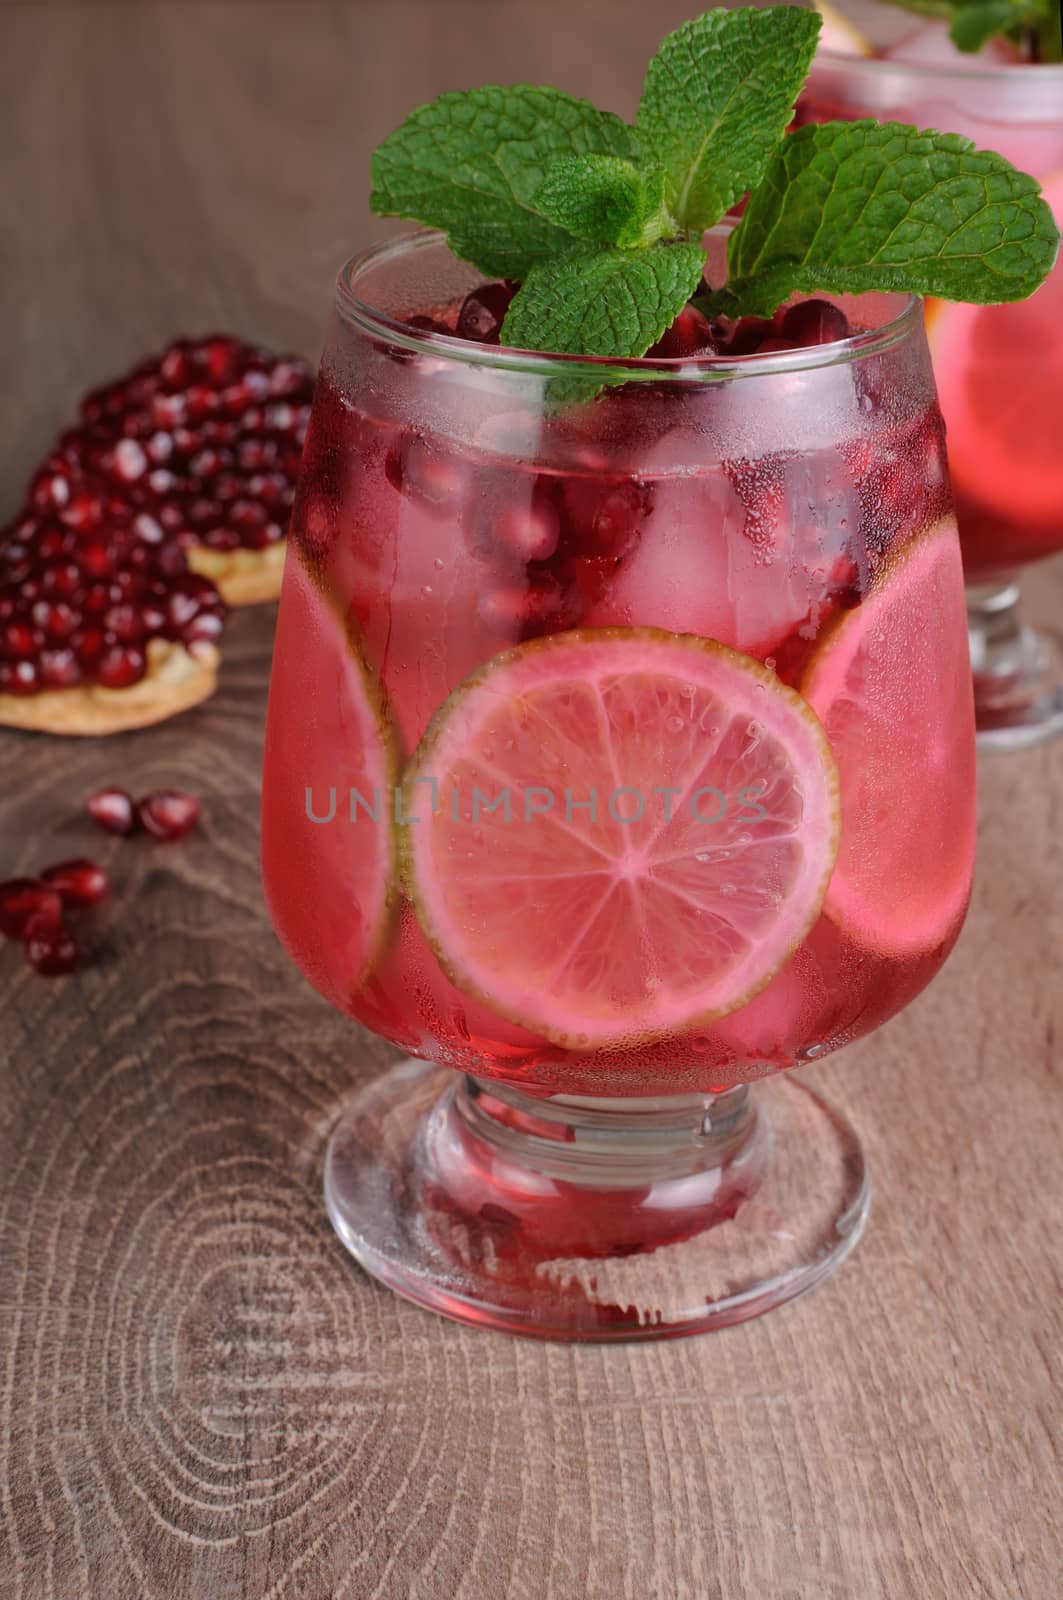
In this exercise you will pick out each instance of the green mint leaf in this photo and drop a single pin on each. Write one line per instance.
(859, 206)
(472, 163)
(605, 302)
(717, 99)
(972, 26)
(605, 200)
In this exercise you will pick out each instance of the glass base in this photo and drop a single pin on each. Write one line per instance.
(1018, 678)
(594, 1220)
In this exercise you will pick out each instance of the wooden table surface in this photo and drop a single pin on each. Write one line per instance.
(200, 1395)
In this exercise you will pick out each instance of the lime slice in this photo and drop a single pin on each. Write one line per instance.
(594, 931)
(329, 882)
(997, 370)
(892, 685)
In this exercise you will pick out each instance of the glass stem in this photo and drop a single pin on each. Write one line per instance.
(1005, 653)
(590, 1177)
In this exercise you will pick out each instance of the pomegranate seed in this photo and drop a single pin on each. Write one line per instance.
(289, 377)
(148, 530)
(204, 629)
(160, 447)
(689, 335)
(256, 382)
(814, 322)
(51, 949)
(126, 622)
(415, 469)
(96, 599)
(130, 462)
(52, 544)
(168, 410)
(221, 359)
(121, 666)
(18, 677)
(96, 558)
(21, 899)
(208, 463)
(80, 882)
(62, 580)
(168, 814)
(59, 669)
(88, 645)
(55, 618)
(199, 403)
(17, 640)
(113, 810)
(83, 512)
(222, 539)
(483, 312)
(603, 520)
(528, 533)
(747, 334)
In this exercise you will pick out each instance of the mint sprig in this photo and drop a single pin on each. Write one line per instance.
(718, 96)
(858, 206)
(602, 223)
(472, 164)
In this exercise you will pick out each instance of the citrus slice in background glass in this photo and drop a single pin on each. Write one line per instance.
(330, 881)
(891, 683)
(701, 868)
(997, 370)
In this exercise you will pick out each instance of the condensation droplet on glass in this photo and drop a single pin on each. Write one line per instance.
(702, 856)
(438, 563)
(769, 662)
(675, 724)
(727, 889)
(427, 589)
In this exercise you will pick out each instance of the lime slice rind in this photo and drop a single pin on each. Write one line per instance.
(552, 952)
(890, 681)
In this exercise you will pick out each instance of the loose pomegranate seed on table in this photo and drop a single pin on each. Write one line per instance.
(113, 810)
(168, 814)
(80, 882)
(51, 949)
(23, 900)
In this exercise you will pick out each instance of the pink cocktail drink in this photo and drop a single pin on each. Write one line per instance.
(999, 369)
(619, 753)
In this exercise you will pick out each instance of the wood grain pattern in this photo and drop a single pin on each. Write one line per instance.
(200, 1397)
